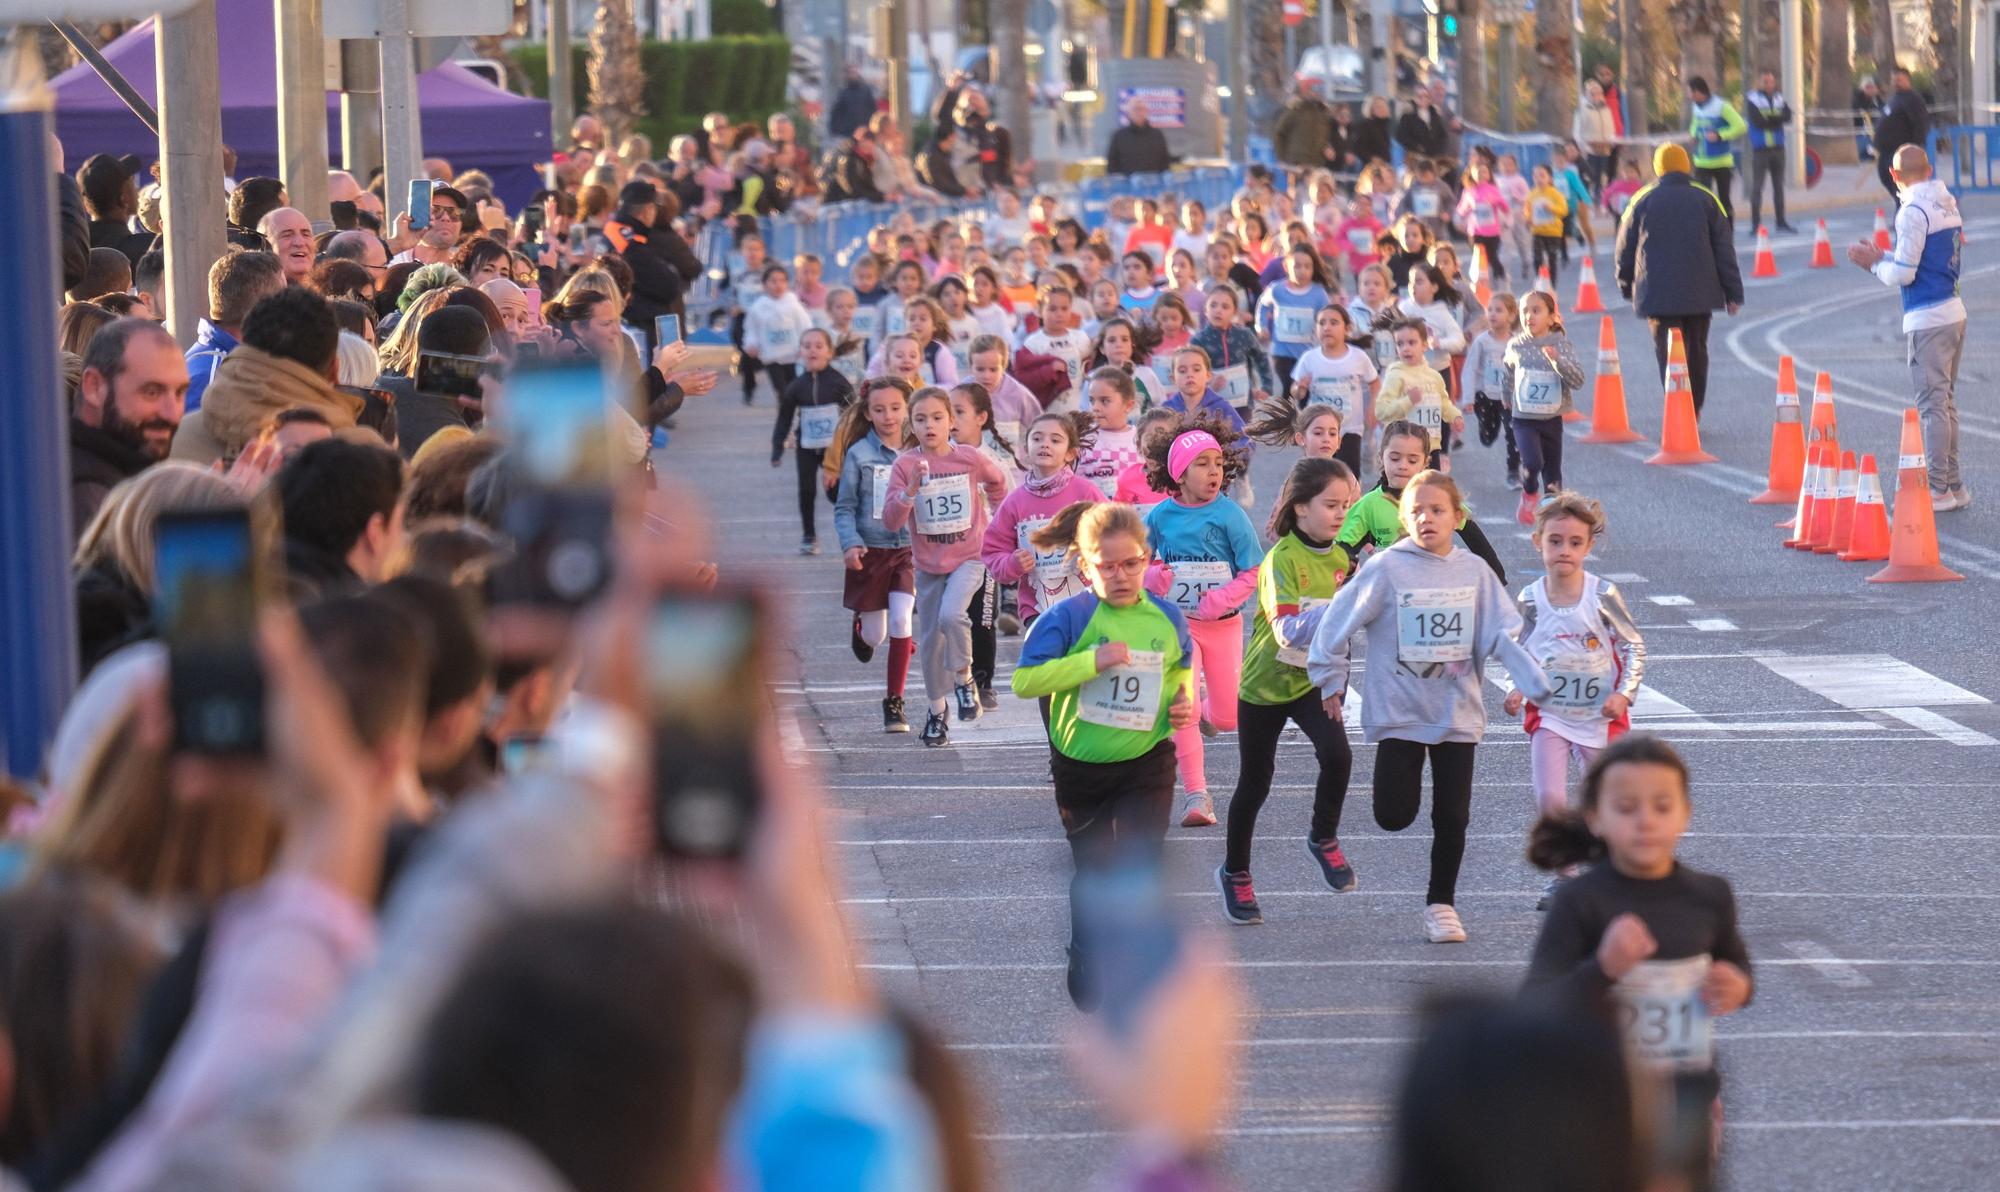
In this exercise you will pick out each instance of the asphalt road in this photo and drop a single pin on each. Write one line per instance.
(1841, 735)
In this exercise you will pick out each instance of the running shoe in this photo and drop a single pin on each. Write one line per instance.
(1441, 925)
(1208, 728)
(968, 702)
(1514, 479)
(936, 732)
(1197, 810)
(892, 715)
(1950, 499)
(1333, 864)
(1785, 229)
(809, 546)
(1008, 622)
(1239, 899)
(859, 644)
(987, 700)
(1080, 995)
(1526, 516)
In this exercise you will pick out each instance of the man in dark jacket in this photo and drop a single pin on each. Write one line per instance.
(128, 404)
(850, 177)
(934, 163)
(657, 287)
(1422, 131)
(112, 198)
(1304, 131)
(1676, 262)
(853, 108)
(1138, 147)
(1371, 132)
(1906, 122)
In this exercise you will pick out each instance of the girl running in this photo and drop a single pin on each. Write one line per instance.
(1433, 300)
(850, 344)
(1644, 936)
(1013, 406)
(1114, 664)
(1376, 520)
(1484, 213)
(870, 295)
(1541, 372)
(1184, 278)
(972, 423)
(814, 401)
(987, 305)
(1195, 393)
(960, 325)
(1119, 345)
(924, 321)
(931, 489)
(1242, 370)
(1485, 378)
(878, 586)
(1374, 312)
(1115, 441)
(1341, 377)
(1301, 572)
(1208, 555)
(1578, 627)
(1133, 488)
(1286, 311)
(902, 359)
(1413, 390)
(1175, 323)
(1044, 576)
(906, 284)
(1056, 337)
(1434, 614)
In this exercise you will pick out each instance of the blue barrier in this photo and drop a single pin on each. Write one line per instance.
(1530, 149)
(1972, 158)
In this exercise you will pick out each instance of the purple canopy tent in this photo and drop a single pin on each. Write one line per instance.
(466, 120)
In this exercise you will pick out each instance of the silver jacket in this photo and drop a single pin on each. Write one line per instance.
(1626, 641)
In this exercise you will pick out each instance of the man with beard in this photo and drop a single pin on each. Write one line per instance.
(290, 234)
(127, 407)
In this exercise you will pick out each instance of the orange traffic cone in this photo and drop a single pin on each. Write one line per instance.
(1482, 270)
(1825, 426)
(1842, 535)
(1913, 545)
(1822, 257)
(1680, 434)
(1802, 514)
(1543, 283)
(1587, 300)
(1882, 239)
(1870, 541)
(1817, 484)
(1607, 402)
(1819, 530)
(1766, 264)
(1788, 443)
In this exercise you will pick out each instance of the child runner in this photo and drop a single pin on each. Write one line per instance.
(1434, 614)
(903, 359)
(1484, 377)
(773, 326)
(1483, 213)
(1194, 392)
(746, 286)
(1114, 444)
(1514, 185)
(992, 314)
(1013, 406)
(1578, 627)
(1285, 313)
(1056, 337)
(1342, 377)
(1355, 235)
(1433, 299)
(1644, 935)
(1208, 555)
(931, 489)
(1376, 521)
(1052, 484)
(878, 587)
(1412, 390)
(1175, 323)
(1121, 344)
(850, 345)
(815, 401)
(1104, 305)
(906, 283)
(1242, 370)
(1301, 572)
(1133, 488)
(869, 295)
(1114, 663)
(972, 422)
(1138, 293)
(1427, 198)
(961, 327)
(924, 321)
(1374, 312)
(807, 269)
(1183, 282)
(1541, 373)
(1548, 209)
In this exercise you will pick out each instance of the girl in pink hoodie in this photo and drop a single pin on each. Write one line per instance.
(1483, 212)
(1053, 443)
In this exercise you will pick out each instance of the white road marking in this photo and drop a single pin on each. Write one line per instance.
(1826, 964)
(1938, 725)
(1395, 837)
(1359, 895)
(1722, 1036)
(1624, 577)
(1670, 601)
(1401, 962)
(1713, 624)
(1868, 682)
(1334, 1131)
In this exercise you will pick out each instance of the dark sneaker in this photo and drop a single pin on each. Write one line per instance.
(1333, 864)
(858, 644)
(968, 702)
(935, 730)
(1787, 229)
(892, 715)
(1080, 995)
(1208, 728)
(1239, 898)
(809, 546)
(987, 700)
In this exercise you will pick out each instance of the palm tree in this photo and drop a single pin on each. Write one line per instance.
(1695, 24)
(617, 80)
(1268, 72)
(1555, 67)
(1834, 88)
(1008, 19)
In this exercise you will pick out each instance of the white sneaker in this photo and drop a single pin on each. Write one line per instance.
(1197, 810)
(1441, 925)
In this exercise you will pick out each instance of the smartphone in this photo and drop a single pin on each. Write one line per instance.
(457, 376)
(560, 469)
(209, 586)
(345, 214)
(666, 330)
(532, 220)
(707, 698)
(420, 203)
(1127, 934)
(378, 410)
(577, 232)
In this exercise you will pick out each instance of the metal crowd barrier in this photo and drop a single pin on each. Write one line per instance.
(1972, 148)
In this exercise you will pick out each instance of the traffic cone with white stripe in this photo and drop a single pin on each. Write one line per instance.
(1818, 530)
(1543, 283)
(1680, 432)
(1766, 264)
(1482, 271)
(1842, 535)
(1882, 238)
(1608, 423)
(1913, 544)
(1825, 426)
(1808, 499)
(1870, 541)
(1822, 257)
(1587, 300)
(1788, 443)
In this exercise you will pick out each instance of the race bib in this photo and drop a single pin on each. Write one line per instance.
(1234, 382)
(1360, 240)
(1537, 392)
(895, 321)
(1055, 570)
(1482, 215)
(1496, 380)
(867, 321)
(816, 425)
(1125, 696)
(944, 505)
(1435, 625)
(1425, 204)
(1543, 212)
(1342, 393)
(1292, 325)
(961, 354)
(780, 339)
(1618, 203)
(1296, 655)
(1196, 579)
(851, 366)
(1428, 414)
(1581, 682)
(1664, 1020)
(878, 488)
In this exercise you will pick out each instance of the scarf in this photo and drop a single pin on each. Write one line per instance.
(1051, 486)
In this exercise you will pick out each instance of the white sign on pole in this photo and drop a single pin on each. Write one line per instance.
(362, 19)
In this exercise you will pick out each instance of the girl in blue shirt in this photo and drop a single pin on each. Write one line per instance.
(1286, 311)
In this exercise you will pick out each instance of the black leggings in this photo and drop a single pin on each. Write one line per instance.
(1549, 252)
(809, 460)
(985, 604)
(1399, 790)
(1541, 445)
(746, 364)
(1257, 729)
(1284, 365)
(782, 376)
(1110, 809)
(1507, 433)
(1492, 246)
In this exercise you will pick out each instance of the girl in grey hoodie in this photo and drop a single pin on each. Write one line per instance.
(1434, 613)
(1540, 373)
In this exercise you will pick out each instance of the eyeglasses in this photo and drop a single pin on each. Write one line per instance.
(451, 213)
(1119, 566)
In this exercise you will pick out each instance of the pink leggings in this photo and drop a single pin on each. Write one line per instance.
(1549, 756)
(1218, 666)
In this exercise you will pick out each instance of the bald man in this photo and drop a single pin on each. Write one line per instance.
(290, 235)
(1925, 264)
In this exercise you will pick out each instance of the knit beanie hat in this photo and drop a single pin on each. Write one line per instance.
(1671, 159)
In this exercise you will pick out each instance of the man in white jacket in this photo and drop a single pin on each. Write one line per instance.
(1925, 264)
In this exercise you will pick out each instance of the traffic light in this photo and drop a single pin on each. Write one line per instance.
(1450, 25)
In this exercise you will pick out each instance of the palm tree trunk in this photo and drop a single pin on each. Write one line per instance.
(1267, 67)
(1555, 68)
(1833, 88)
(1882, 19)
(1471, 63)
(1009, 22)
(1944, 45)
(617, 80)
